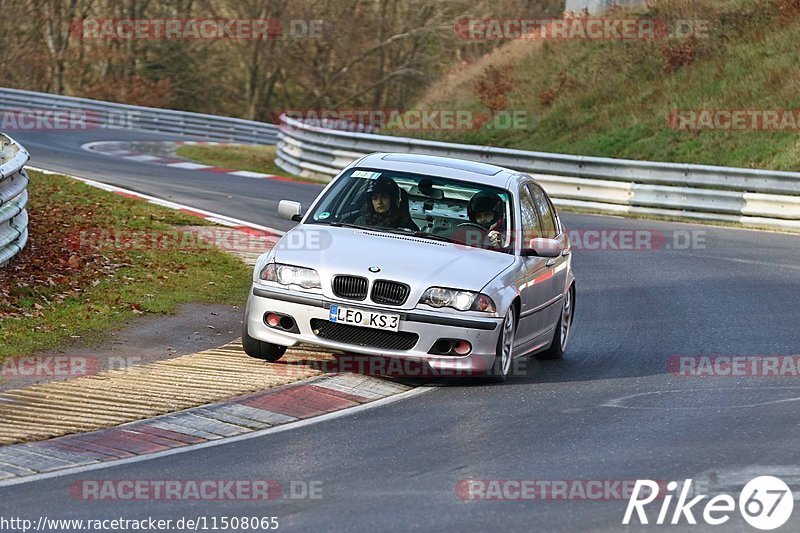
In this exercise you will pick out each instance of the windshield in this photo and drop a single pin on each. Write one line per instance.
(464, 212)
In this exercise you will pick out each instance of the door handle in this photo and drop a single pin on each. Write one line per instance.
(550, 262)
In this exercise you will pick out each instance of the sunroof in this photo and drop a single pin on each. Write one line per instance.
(458, 164)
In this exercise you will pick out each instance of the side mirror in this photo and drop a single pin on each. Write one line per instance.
(290, 210)
(542, 248)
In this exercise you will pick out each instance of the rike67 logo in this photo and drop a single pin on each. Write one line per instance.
(765, 503)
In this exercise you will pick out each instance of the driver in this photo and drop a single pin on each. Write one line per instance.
(486, 210)
(384, 206)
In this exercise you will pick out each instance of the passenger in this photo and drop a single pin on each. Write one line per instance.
(386, 205)
(426, 187)
(486, 209)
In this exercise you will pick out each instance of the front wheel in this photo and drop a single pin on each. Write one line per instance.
(505, 346)
(563, 328)
(265, 351)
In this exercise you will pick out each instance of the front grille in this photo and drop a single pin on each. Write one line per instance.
(373, 338)
(389, 292)
(350, 287)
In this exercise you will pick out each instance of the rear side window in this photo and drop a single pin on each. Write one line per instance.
(549, 227)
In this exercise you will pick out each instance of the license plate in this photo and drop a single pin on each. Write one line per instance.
(369, 319)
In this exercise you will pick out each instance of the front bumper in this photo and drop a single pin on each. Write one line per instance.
(482, 333)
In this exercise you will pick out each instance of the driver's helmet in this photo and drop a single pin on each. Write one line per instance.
(386, 185)
(485, 201)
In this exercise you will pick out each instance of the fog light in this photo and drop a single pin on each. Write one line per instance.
(462, 348)
(272, 320)
(287, 322)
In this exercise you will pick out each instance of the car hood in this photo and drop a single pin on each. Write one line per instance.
(421, 263)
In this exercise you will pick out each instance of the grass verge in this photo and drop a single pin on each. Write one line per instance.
(613, 98)
(69, 285)
(254, 158)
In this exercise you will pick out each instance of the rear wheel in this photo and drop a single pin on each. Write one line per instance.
(265, 351)
(561, 335)
(505, 346)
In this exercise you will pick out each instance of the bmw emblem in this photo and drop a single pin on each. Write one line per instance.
(374, 269)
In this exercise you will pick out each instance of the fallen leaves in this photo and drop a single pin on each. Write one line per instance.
(56, 264)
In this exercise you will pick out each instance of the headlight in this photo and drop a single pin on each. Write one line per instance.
(291, 275)
(461, 300)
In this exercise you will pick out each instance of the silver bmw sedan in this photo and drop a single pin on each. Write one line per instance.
(458, 265)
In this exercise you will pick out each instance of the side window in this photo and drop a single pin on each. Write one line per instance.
(531, 228)
(545, 211)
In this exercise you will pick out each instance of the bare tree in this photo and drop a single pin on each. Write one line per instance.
(57, 18)
(371, 53)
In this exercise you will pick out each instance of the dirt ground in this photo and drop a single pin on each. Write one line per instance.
(144, 339)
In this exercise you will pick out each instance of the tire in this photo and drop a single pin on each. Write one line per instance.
(505, 346)
(259, 349)
(561, 335)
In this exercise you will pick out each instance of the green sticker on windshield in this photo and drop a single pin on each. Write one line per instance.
(323, 215)
(365, 174)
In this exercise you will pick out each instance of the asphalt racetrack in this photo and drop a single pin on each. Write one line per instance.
(617, 408)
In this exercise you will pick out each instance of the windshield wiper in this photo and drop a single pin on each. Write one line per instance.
(419, 234)
(398, 231)
(349, 225)
(433, 236)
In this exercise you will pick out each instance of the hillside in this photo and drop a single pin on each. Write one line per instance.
(613, 98)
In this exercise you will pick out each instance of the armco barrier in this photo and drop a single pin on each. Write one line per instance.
(596, 7)
(99, 114)
(13, 198)
(758, 198)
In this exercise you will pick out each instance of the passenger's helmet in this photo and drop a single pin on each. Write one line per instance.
(485, 201)
(386, 185)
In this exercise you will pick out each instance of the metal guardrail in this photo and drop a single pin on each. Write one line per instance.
(99, 114)
(596, 7)
(13, 199)
(755, 198)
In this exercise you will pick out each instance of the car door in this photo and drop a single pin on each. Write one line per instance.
(558, 266)
(534, 286)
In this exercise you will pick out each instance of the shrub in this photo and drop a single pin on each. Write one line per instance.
(493, 86)
(676, 56)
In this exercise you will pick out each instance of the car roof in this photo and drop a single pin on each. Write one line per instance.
(444, 167)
